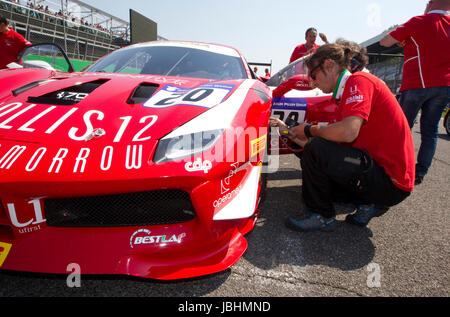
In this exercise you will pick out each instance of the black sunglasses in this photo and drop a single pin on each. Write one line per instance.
(311, 73)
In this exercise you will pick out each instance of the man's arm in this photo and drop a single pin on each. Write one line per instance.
(323, 38)
(388, 41)
(345, 131)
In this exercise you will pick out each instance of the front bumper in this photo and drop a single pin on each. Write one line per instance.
(200, 246)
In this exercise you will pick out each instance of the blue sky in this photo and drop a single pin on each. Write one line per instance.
(266, 30)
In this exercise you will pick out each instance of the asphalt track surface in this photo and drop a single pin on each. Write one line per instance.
(404, 253)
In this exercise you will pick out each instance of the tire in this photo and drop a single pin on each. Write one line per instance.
(263, 191)
(447, 122)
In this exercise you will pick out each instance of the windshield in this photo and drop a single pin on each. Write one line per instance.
(296, 68)
(171, 61)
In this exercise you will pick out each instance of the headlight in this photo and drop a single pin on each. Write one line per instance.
(179, 147)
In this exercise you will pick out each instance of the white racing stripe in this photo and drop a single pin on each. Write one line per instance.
(243, 205)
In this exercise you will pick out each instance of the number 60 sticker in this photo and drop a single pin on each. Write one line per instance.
(206, 96)
(4, 250)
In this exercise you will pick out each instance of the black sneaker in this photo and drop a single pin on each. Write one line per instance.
(312, 222)
(419, 179)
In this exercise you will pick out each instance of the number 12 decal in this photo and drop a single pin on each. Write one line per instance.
(203, 96)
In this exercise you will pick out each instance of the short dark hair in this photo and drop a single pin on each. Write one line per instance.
(309, 30)
(3, 20)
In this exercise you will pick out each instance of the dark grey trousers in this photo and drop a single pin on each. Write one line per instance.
(333, 172)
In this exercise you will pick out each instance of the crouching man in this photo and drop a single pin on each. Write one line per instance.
(366, 157)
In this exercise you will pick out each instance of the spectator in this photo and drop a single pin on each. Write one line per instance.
(11, 43)
(426, 74)
(267, 73)
(255, 70)
(366, 157)
(309, 47)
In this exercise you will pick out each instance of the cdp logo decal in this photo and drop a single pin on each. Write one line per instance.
(4, 250)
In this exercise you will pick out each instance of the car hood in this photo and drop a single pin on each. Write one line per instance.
(123, 108)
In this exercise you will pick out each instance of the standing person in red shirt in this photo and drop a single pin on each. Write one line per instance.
(366, 157)
(11, 43)
(426, 74)
(309, 47)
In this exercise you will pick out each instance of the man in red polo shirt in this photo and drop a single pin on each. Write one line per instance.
(366, 157)
(309, 47)
(11, 43)
(426, 74)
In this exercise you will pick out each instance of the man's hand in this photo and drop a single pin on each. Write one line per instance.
(323, 38)
(277, 123)
(295, 134)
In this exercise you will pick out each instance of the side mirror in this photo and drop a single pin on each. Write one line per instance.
(298, 82)
(46, 55)
(37, 64)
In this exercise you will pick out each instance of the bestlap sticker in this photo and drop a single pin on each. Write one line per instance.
(4, 250)
(206, 96)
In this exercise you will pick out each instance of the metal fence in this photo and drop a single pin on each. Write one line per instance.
(390, 70)
(79, 41)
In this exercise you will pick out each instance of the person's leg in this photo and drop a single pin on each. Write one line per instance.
(411, 102)
(331, 170)
(432, 109)
(379, 196)
(328, 168)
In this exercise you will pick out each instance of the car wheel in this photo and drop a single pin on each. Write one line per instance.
(263, 191)
(447, 122)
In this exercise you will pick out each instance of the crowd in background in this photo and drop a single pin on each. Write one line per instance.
(48, 14)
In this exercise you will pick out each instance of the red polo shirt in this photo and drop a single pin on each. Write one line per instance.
(427, 50)
(11, 44)
(385, 133)
(301, 51)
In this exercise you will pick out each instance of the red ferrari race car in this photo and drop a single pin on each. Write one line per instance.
(147, 163)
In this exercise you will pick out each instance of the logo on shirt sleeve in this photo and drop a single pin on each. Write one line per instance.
(357, 98)
(354, 90)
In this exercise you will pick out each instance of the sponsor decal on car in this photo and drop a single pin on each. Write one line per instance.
(294, 108)
(227, 197)
(205, 96)
(144, 237)
(131, 158)
(225, 183)
(30, 225)
(4, 251)
(258, 145)
(90, 118)
(198, 166)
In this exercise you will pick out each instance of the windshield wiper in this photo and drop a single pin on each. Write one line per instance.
(177, 63)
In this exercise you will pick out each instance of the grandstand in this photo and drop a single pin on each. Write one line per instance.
(385, 62)
(84, 32)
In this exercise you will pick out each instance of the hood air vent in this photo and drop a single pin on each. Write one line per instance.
(68, 96)
(142, 93)
(29, 86)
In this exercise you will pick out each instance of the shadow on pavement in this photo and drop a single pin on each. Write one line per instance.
(271, 244)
